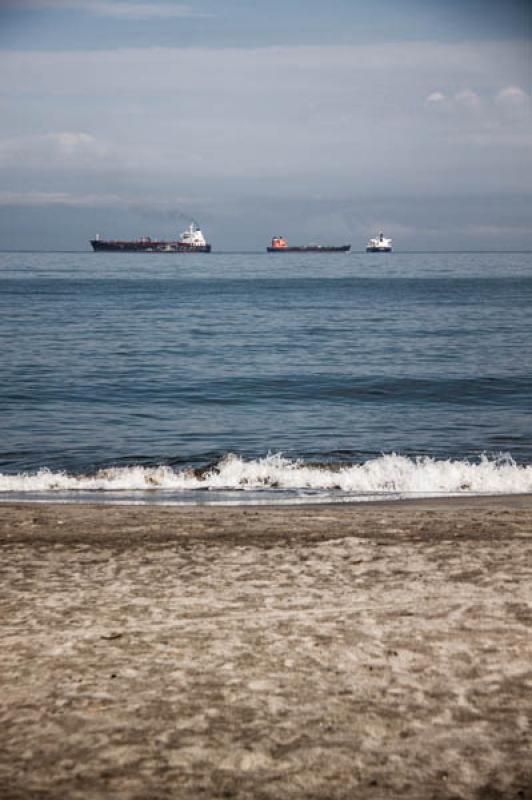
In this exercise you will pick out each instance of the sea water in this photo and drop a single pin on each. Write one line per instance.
(266, 378)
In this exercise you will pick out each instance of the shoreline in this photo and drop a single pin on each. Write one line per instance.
(420, 499)
(43, 518)
(373, 650)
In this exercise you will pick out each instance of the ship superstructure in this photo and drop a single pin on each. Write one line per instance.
(191, 240)
(380, 244)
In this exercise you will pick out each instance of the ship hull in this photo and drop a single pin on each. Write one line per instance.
(345, 248)
(99, 245)
(378, 249)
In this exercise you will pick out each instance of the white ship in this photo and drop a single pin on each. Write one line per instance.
(193, 239)
(380, 244)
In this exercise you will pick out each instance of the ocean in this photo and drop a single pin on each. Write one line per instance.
(229, 378)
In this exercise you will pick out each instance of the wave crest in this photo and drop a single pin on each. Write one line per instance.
(387, 474)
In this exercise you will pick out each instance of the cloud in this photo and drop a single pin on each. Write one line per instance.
(463, 100)
(513, 94)
(436, 97)
(326, 118)
(35, 198)
(468, 99)
(141, 11)
(496, 230)
(513, 99)
(53, 149)
(438, 101)
(173, 208)
(494, 119)
(377, 70)
(109, 8)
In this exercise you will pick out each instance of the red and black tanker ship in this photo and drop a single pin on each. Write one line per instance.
(280, 245)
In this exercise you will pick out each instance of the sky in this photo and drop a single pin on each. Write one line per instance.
(323, 122)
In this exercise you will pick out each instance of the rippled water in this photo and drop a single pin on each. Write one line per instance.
(114, 360)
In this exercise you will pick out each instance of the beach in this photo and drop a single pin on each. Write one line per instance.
(372, 650)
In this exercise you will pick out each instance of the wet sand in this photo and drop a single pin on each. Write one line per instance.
(362, 651)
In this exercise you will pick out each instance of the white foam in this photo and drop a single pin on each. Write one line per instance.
(387, 474)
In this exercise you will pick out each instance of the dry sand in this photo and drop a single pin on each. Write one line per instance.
(329, 652)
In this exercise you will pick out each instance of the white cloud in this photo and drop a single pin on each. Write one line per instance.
(515, 108)
(69, 144)
(512, 94)
(492, 119)
(436, 97)
(464, 100)
(438, 101)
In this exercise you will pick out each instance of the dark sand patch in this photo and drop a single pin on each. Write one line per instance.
(372, 651)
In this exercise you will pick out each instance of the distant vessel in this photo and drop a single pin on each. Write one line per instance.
(192, 241)
(379, 245)
(280, 245)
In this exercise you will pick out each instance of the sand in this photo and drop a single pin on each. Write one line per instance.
(362, 651)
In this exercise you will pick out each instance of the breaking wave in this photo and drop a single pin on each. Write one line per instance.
(388, 475)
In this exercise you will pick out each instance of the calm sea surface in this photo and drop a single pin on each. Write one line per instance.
(119, 360)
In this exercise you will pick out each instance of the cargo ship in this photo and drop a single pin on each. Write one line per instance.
(191, 241)
(380, 244)
(280, 245)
